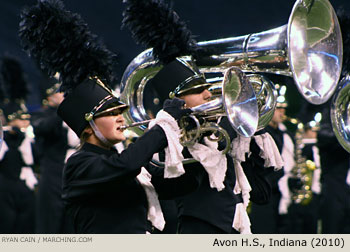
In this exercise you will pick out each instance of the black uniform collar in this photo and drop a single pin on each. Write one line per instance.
(94, 148)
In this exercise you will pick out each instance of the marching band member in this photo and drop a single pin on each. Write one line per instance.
(335, 180)
(335, 176)
(17, 179)
(54, 142)
(219, 205)
(216, 210)
(104, 191)
(303, 213)
(271, 218)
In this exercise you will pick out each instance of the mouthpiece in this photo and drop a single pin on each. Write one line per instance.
(123, 127)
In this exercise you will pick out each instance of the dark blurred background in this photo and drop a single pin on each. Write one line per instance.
(207, 19)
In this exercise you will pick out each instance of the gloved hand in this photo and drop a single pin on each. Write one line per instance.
(260, 132)
(174, 107)
(15, 137)
(16, 131)
(190, 124)
(294, 184)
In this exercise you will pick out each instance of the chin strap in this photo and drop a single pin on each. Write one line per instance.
(99, 134)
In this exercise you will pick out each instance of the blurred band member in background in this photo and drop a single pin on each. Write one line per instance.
(304, 182)
(55, 141)
(335, 161)
(271, 218)
(335, 180)
(17, 180)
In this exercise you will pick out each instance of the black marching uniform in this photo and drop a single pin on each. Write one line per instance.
(335, 192)
(17, 180)
(17, 200)
(265, 218)
(210, 211)
(303, 217)
(101, 188)
(102, 193)
(51, 147)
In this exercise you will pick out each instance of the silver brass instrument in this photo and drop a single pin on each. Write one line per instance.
(265, 92)
(190, 137)
(303, 169)
(235, 91)
(308, 48)
(267, 98)
(340, 113)
(263, 89)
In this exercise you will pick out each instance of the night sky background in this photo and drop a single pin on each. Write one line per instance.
(207, 19)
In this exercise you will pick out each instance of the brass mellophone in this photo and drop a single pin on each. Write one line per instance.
(308, 48)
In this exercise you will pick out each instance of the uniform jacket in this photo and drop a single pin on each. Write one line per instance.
(51, 140)
(17, 182)
(51, 146)
(15, 154)
(102, 193)
(218, 208)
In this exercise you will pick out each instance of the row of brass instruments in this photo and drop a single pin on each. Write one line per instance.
(308, 49)
(303, 170)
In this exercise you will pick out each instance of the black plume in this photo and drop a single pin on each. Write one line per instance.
(344, 21)
(153, 23)
(60, 41)
(14, 86)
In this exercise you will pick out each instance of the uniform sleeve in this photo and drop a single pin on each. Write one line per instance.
(47, 125)
(170, 188)
(89, 172)
(326, 138)
(256, 174)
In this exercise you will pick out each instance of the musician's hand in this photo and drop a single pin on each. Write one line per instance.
(17, 136)
(260, 132)
(16, 131)
(175, 108)
(294, 184)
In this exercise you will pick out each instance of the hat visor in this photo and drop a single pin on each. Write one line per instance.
(111, 107)
(196, 89)
(18, 116)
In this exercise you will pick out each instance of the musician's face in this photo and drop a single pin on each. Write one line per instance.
(55, 99)
(309, 133)
(195, 99)
(109, 126)
(19, 123)
(278, 116)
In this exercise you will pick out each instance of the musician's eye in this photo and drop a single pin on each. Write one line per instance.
(114, 113)
(110, 113)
